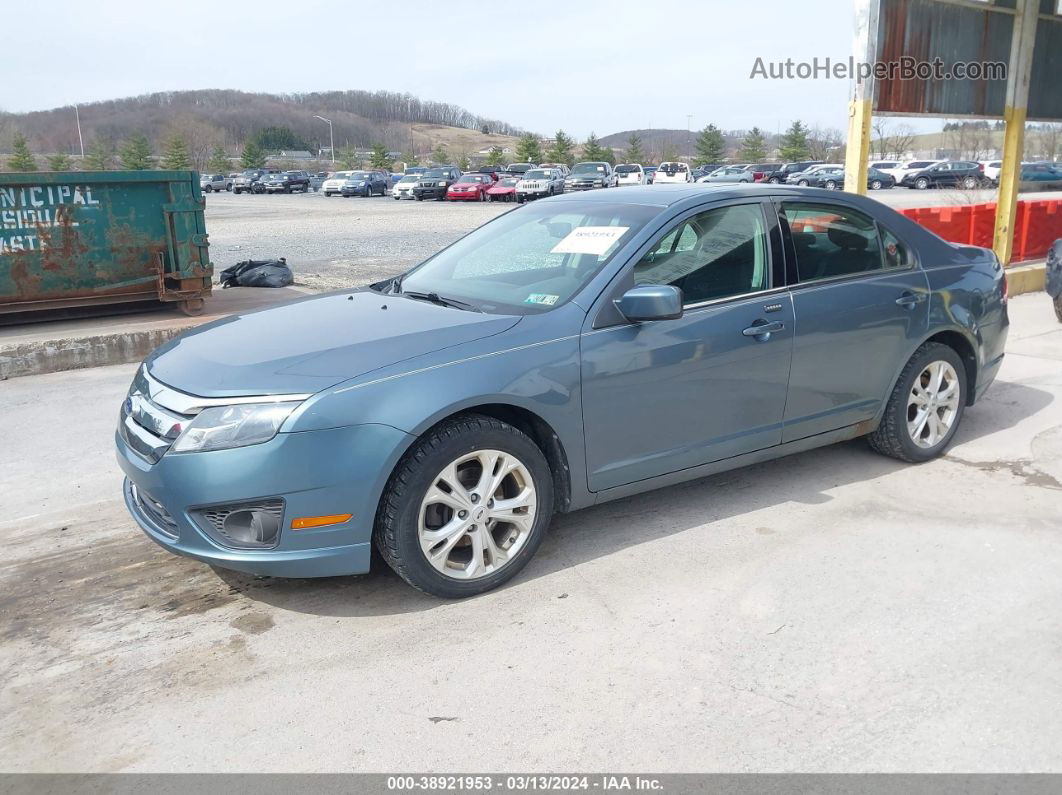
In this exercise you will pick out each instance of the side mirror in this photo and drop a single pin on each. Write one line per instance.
(651, 302)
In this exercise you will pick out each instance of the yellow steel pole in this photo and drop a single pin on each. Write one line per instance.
(1014, 112)
(861, 106)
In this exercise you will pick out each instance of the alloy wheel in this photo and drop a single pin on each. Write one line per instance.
(477, 514)
(933, 404)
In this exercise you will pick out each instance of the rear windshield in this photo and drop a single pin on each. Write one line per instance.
(627, 169)
(589, 168)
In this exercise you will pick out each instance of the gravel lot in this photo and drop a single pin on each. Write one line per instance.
(332, 243)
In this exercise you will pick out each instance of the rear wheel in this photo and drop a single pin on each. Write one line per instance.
(969, 183)
(875, 184)
(803, 182)
(466, 508)
(925, 407)
(830, 185)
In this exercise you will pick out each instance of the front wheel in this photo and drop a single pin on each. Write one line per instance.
(925, 407)
(803, 182)
(830, 185)
(921, 183)
(875, 184)
(466, 508)
(969, 183)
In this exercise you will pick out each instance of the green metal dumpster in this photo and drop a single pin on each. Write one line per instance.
(70, 239)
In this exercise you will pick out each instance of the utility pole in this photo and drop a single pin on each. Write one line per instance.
(331, 140)
(80, 140)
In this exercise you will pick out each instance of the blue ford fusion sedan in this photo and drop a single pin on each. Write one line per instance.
(578, 349)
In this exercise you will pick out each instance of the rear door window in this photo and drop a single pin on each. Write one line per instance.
(832, 241)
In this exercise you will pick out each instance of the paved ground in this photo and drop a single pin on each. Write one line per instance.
(334, 242)
(832, 611)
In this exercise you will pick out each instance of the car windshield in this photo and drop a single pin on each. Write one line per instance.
(508, 181)
(536, 173)
(588, 168)
(626, 169)
(410, 178)
(467, 178)
(434, 172)
(531, 259)
(359, 175)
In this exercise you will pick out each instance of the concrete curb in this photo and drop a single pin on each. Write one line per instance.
(1029, 278)
(52, 356)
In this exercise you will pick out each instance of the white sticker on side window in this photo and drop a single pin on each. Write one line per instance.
(589, 240)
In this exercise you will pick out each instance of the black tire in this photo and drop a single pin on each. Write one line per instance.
(969, 183)
(396, 528)
(921, 183)
(876, 184)
(830, 185)
(774, 180)
(892, 437)
(1058, 308)
(802, 182)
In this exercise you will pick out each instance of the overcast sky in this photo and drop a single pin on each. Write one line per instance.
(580, 65)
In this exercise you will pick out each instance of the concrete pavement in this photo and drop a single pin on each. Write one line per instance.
(831, 611)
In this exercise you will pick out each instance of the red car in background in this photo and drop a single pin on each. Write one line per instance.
(504, 190)
(470, 187)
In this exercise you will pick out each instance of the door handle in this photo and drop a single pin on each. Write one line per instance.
(763, 330)
(910, 300)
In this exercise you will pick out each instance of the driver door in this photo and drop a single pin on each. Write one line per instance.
(667, 395)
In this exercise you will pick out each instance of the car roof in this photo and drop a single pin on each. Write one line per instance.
(667, 194)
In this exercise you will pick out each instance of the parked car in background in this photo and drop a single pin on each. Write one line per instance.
(766, 171)
(672, 172)
(788, 169)
(650, 174)
(802, 177)
(562, 167)
(1043, 174)
(828, 177)
(527, 370)
(504, 190)
(910, 167)
(434, 182)
(470, 187)
(519, 168)
(630, 174)
(538, 183)
(591, 175)
(286, 182)
(403, 189)
(946, 174)
(317, 180)
(214, 182)
(879, 180)
(365, 183)
(991, 170)
(334, 184)
(250, 181)
(494, 171)
(887, 166)
(726, 174)
(415, 170)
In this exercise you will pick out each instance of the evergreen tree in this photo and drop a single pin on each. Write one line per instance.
(562, 149)
(711, 148)
(593, 150)
(795, 142)
(495, 157)
(379, 158)
(253, 156)
(464, 162)
(100, 156)
(59, 162)
(219, 161)
(347, 158)
(528, 149)
(439, 155)
(135, 153)
(410, 159)
(175, 158)
(634, 153)
(753, 147)
(22, 158)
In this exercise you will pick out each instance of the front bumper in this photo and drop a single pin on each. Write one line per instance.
(315, 473)
(581, 186)
(429, 193)
(463, 196)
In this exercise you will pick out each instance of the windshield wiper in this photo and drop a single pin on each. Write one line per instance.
(435, 298)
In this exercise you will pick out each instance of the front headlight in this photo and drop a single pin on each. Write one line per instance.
(224, 427)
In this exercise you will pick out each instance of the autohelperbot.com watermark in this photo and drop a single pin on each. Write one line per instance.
(906, 67)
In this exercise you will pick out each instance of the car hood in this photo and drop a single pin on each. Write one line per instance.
(311, 344)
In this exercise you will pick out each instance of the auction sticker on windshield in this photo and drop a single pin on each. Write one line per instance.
(589, 240)
(541, 298)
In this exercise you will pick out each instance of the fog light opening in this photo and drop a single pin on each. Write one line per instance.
(252, 527)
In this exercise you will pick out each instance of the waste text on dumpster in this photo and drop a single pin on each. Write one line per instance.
(24, 212)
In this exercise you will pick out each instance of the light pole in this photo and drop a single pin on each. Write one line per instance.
(331, 140)
(80, 140)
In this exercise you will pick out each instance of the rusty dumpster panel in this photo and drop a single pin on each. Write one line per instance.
(76, 238)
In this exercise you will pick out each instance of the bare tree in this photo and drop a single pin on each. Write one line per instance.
(824, 143)
(882, 139)
(902, 140)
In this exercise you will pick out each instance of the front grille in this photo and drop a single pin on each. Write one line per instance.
(154, 511)
(247, 525)
(146, 426)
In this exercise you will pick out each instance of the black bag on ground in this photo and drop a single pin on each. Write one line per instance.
(258, 273)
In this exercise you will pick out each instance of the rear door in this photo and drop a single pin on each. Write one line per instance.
(860, 305)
